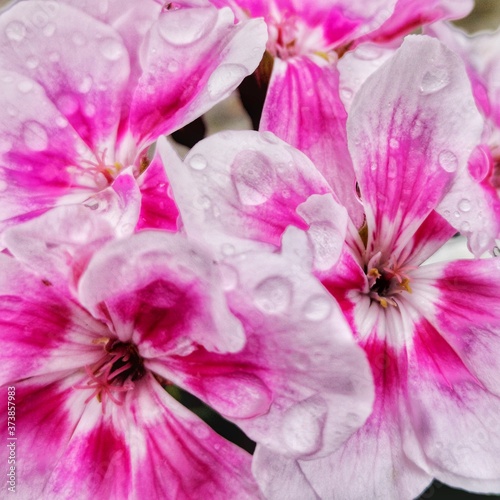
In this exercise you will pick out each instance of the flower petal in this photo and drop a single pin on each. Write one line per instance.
(59, 243)
(158, 209)
(39, 40)
(408, 140)
(159, 291)
(43, 330)
(237, 190)
(300, 386)
(407, 16)
(149, 436)
(204, 58)
(316, 126)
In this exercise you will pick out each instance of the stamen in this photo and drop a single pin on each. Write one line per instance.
(114, 373)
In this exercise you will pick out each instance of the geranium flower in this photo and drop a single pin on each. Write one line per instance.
(86, 88)
(303, 104)
(429, 331)
(94, 329)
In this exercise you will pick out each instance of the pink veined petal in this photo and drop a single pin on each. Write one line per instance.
(408, 140)
(303, 108)
(159, 291)
(444, 389)
(59, 243)
(431, 235)
(158, 208)
(240, 190)
(408, 16)
(192, 460)
(42, 159)
(376, 452)
(86, 89)
(206, 57)
(43, 330)
(149, 435)
(47, 411)
(356, 65)
(300, 386)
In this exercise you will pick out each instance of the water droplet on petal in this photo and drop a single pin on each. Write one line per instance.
(35, 136)
(318, 308)
(434, 80)
(269, 137)
(186, 26)
(464, 205)
(49, 29)
(15, 31)
(25, 86)
(448, 161)
(173, 66)
(303, 425)
(229, 277)
(61, 122)
(225, 79)
(394, 143)
(85, 85)
(273, 295)
(67, 104)
(90, 109)
(465, 226)
(227, 249)
(112, 49)
(253, 177)
(197, 162)
(346, 93)
(237, 395)
(78, 39)
(32, 62)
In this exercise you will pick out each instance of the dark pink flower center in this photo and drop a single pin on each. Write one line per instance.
(387, 281)
(116, 371)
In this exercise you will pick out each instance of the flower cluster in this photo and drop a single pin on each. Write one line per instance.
(277, 277)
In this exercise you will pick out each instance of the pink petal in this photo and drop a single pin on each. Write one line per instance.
(41, 155)
(158, 209)
(408, 16)
(47, 411)
(150, 436)
(40, 39)
(377, 452)
(204, 58)
(43, 330)
(158, 290)
(300, 386)
(315, 126)
(59, 243)
(408, 140)
(237, 190)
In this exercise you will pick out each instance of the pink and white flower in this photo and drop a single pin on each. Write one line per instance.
(303, 104)
(430, 332)
(87, 87)
(94, 329)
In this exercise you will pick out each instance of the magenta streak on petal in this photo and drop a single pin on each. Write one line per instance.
(433, 354)
(158, 209)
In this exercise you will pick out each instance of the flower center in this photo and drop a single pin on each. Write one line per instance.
(387, 281)
(289, 36)
(115, 372)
